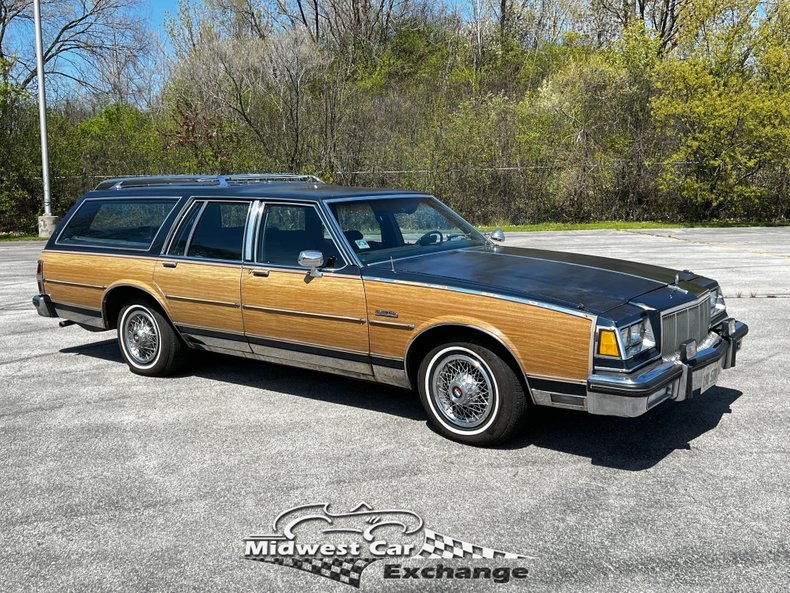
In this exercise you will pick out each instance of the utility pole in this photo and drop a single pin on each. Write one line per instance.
(47, 222)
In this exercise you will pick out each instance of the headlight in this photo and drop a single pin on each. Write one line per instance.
(637, 337)
(716, 302)
(628, 341)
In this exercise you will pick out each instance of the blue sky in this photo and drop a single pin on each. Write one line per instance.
(158, 8)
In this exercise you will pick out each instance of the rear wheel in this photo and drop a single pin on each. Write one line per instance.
(148, 342)
(470, 394)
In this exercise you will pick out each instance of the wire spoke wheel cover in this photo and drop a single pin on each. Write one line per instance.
(141, 336)
(462, 388)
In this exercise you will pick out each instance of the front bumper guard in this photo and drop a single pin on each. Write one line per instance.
(617, 394)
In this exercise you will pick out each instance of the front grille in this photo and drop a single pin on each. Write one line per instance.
(689, 323)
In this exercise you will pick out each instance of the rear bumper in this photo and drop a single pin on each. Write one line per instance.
(618, 394)
(44, 306)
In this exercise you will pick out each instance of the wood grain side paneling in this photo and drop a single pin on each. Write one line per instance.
(202, 294)
(336, 304)
(99, 270)
(547, 342)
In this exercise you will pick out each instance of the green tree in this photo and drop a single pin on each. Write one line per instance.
(723, 113)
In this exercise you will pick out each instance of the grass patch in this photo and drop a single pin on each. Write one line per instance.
(11, 237)
(625, 225)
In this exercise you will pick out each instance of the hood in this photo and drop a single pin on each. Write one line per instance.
(589, 283)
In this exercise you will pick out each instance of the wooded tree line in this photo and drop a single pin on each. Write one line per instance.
(510, 110)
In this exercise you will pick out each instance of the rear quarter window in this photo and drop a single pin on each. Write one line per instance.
(121, 224)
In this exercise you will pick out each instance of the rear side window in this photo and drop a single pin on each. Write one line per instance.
(123, 224)
(219, 233)
(179, 242)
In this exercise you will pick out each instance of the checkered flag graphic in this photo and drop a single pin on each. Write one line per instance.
(442, 546)
(343, 570)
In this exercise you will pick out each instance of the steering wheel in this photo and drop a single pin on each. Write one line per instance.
(430, 238)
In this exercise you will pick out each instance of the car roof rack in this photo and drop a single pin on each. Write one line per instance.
(204, 180)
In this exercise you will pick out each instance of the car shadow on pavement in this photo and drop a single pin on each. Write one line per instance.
(632, 444)
(627, 443)
(284, 379)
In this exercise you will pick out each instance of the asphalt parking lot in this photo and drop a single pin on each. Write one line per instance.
(114, 482)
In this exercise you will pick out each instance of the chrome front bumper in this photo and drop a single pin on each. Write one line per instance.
(620, 394)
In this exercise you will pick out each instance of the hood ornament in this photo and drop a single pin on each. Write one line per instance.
(675, 286)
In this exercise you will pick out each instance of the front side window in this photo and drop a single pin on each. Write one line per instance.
(380, 229)
(123, 224)
(289, 229)
(360, 225)
(219, 233)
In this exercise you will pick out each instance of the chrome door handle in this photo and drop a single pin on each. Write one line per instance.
(260, 273)
(169, 264)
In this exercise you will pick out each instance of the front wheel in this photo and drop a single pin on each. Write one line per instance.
(148, 343)
(470, 394)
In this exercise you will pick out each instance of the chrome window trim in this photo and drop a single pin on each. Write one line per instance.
(253, 226)
(251, 232)
(194, 226)
(200, 217)
(198, 260)
(176, 227)
(363, 198)
(380, 197)
(266, 202)
(119, 199)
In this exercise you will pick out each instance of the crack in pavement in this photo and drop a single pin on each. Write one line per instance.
(720, 245)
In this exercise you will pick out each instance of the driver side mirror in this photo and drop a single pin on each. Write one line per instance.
(497, 235)
(313, 260)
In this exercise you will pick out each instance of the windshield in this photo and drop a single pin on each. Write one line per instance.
(380, 229)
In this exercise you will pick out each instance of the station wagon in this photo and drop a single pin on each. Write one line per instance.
(384, 285)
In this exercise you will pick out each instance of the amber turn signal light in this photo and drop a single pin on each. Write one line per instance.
(607, 343)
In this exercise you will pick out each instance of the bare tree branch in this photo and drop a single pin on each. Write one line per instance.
(89, 34)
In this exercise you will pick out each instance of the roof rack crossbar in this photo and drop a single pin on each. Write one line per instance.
(218, 180)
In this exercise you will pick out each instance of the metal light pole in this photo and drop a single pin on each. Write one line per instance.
(46, 223)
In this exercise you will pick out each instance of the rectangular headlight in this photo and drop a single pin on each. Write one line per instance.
(716, 302)
(637, 337)
(626, 341)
